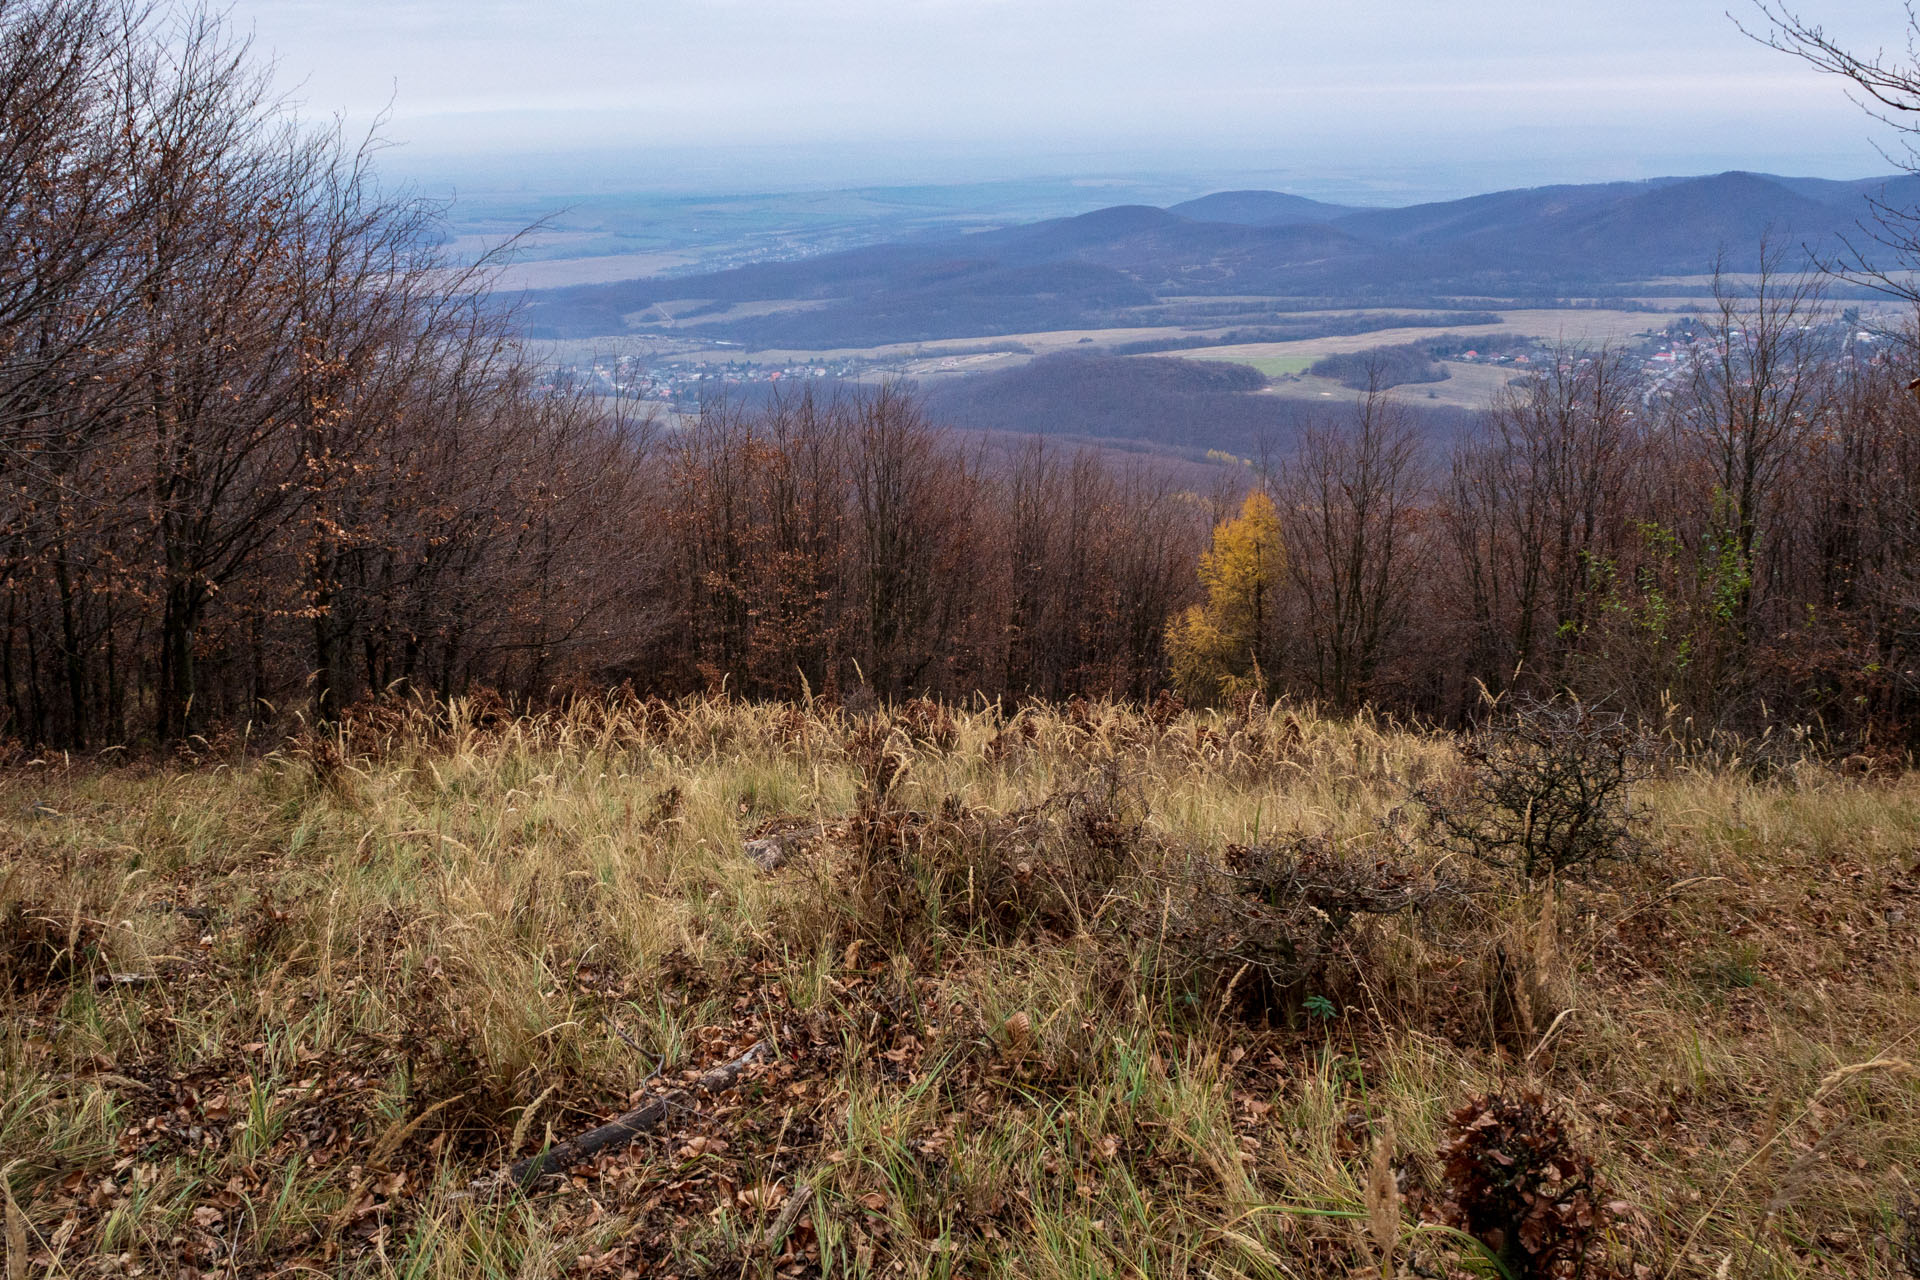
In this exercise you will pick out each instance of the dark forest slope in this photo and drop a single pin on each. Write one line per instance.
(1195, 405)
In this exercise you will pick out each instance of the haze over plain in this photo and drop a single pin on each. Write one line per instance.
(1390, 100)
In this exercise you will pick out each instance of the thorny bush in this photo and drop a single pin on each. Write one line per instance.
(958, 868)
(1270, 922)
(1906, 1235)
(1545, 791)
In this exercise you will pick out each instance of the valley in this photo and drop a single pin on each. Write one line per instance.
(1265, 280)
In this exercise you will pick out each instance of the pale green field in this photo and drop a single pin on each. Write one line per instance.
(1579, 326)
(1272, 366)
(1470, 386)
(1590, 327)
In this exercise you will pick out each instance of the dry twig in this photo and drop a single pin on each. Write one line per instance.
(618, 1132)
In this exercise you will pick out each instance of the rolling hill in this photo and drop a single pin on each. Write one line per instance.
(1258, 208)
(1617, 231)
(1268, 252)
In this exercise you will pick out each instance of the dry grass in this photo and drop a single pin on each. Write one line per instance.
(288, 1013)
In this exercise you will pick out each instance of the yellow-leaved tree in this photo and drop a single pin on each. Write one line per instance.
(1218, 649)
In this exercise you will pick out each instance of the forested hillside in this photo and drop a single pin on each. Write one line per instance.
(267, 453)
(259, 440)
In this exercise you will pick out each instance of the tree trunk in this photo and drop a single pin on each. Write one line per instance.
(180, 626)
(73, 662)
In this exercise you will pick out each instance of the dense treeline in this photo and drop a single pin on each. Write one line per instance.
(1197, 405)
(1724, 548)
(1728, 549)
(1390, 366)
(1738, 548)
(847, 546)
(257, 440)
(264, 451)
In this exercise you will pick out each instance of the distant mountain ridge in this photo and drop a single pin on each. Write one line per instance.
(1260, 253)
(1258, 208)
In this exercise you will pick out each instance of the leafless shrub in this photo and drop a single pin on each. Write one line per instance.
(796, 728)
(1013, 739)
(1269, 923)
(328, 765)
(927, 723)
(1906, 1234)
(916, 875)
(665, 808)
(1546, 790)
(373, 727)
(873, 750)
(38, 950)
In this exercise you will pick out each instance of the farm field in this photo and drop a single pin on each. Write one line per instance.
(988, 994)
(1587, 327)
(1578, 325)
(566, 272)
(1468, 386)
(1275, 359)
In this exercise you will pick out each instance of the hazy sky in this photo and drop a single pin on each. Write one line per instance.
(1485, 89)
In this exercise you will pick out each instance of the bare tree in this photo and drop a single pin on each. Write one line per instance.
(1753, 397)
(1535, 510)
(910, 516)
(1350, 503)
(1884, 253)
(239, 388)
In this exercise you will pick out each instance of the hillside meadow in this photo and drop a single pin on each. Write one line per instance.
(1092, 991)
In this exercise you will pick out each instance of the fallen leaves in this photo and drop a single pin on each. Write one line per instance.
(763, 1197)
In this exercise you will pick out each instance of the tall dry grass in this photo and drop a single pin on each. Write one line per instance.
(291, 1012)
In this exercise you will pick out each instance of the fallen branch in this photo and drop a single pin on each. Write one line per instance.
(789, 1214)
(617, 1133)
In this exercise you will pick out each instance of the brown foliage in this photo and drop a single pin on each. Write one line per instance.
(264, 449)
(263, 442)
(1512, 1178)
(37, 950)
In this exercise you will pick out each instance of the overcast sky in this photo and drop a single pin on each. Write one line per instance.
(1486, 89)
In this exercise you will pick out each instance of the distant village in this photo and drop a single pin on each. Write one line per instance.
(683, 382)
(1665, 358)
